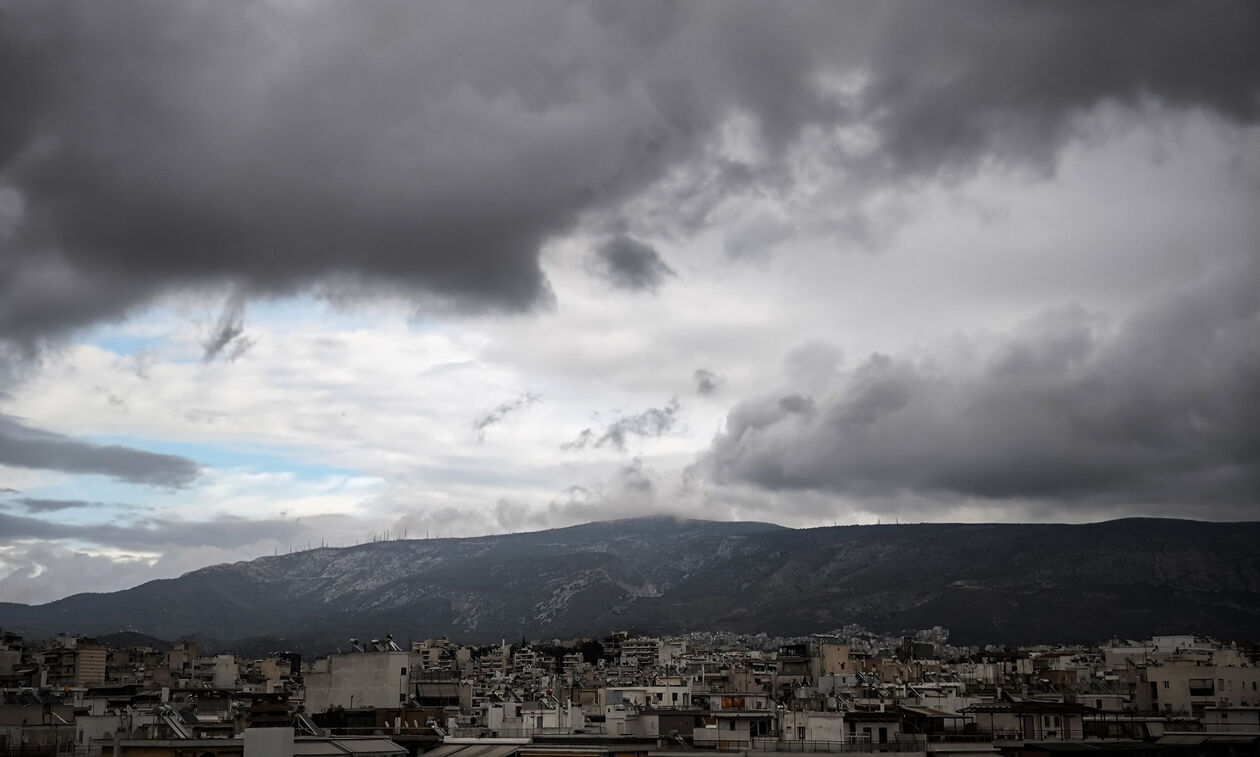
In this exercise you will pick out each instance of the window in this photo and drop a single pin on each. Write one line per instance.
(1056, 721)
(1165, 684)
(800, 732)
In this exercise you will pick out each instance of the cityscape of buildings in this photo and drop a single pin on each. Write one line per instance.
(627, 695)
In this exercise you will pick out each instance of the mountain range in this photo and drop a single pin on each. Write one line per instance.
(987, 583)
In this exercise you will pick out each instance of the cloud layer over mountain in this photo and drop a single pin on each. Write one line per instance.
(1066, 409)
(279, 273)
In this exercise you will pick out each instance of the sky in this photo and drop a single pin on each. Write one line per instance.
(280, 274)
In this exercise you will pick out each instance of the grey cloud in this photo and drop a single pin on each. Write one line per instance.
(707, 382)
(515, 516)
(630, 264)
(633, 479)
(229, 330)
(501, 411)
(584, 439)
(154, 533)
(447, 521)
(1064, 411)
(653, 422)
(796, 404)
(755, 237)
(629, 492)
(40, 505)
(36, 505)
(148, 146)
(813, 365)
(26, 447)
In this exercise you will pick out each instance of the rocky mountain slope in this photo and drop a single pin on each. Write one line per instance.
(987, 583)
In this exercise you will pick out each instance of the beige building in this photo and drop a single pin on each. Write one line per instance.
(80, 665)
(831, 660)
(1188, 687)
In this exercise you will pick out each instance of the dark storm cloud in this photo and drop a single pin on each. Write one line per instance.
(148, 145)
(1006, 81)
(26, 447)
(1160, 410)
(653, 422)
(502, 411)
(707, 382)
(629, 264)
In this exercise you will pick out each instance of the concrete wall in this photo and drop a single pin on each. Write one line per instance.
(1233, 719)
(818, 726)
(361, 679)
(226, 672)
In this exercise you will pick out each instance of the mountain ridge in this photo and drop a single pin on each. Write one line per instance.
(988, 582)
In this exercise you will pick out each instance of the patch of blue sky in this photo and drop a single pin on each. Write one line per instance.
(143, 331)
(335, 317)
(125, 344)
(279, 312)
(149, 328)
(249, 456)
